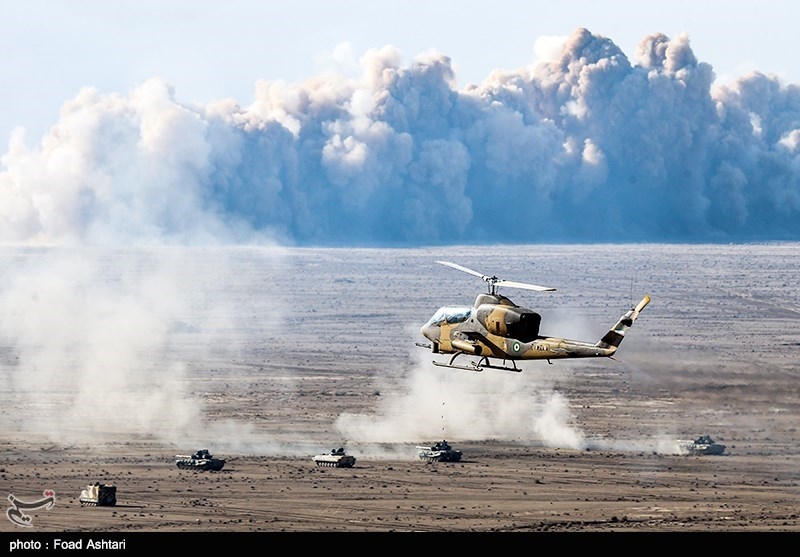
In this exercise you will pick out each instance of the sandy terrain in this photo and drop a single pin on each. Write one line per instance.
(309, 350)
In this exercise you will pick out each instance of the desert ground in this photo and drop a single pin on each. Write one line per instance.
(114, 363)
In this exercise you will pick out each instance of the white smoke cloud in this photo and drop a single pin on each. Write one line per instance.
(584, 143)
(433, 403)
(98, 342)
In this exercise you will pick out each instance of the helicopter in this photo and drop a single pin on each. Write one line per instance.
(495, 327)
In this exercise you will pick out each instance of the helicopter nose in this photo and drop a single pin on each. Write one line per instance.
(427, 332)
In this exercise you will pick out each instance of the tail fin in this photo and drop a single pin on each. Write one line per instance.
(616, 333)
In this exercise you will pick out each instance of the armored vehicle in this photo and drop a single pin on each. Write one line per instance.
(440, 451)
(201, 460)
(98, 495)
(703, 445)
(335, 459)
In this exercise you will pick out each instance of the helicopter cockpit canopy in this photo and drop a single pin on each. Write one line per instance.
(450, 315)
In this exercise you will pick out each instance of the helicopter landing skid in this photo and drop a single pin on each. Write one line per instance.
(474, 366)
(477, 366)
(514, 367)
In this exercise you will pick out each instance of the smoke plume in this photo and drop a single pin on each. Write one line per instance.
(586, 145)
(437, 403)
(98, 343)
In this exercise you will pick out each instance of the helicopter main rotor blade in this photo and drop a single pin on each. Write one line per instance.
(460, 268)
(525, 286)
(494, 281)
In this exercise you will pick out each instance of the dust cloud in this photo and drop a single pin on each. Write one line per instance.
(434, 403)
(98, 342)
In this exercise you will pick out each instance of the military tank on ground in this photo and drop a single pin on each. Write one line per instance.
(440, 451)
(98, 495)
(201, 460)
(703, 445)
(335, 459)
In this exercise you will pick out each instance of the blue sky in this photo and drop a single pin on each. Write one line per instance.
(398, 123)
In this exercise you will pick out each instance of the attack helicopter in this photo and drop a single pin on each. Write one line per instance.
(495, 327)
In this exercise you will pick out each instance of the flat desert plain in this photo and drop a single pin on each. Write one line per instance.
(115, 361)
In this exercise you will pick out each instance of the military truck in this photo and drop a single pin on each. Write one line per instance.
(98, 495)
(335, 459)
(440, 451)
(201, 460)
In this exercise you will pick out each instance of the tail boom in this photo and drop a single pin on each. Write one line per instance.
(612, 339)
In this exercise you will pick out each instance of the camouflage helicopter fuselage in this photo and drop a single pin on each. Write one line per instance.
(497, 327)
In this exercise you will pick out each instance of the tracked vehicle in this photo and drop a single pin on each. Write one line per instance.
(335, 459)
(703, 445)
(440, 451)
(98, 495)
(201, 460)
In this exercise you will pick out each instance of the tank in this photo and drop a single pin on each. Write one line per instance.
(335, 459)
(440, 451)
(201, 460)
(703, 445)
(98, 495)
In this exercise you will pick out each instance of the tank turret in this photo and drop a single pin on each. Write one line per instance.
(703, 445)
(441, 451)
(201, 460)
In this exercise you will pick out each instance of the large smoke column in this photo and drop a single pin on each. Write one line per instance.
(586, 146)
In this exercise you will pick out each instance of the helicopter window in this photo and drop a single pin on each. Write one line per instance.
(450, 315)
(458, 315)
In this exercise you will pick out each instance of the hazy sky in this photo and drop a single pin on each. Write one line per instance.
(213, 49)
(398, 123)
